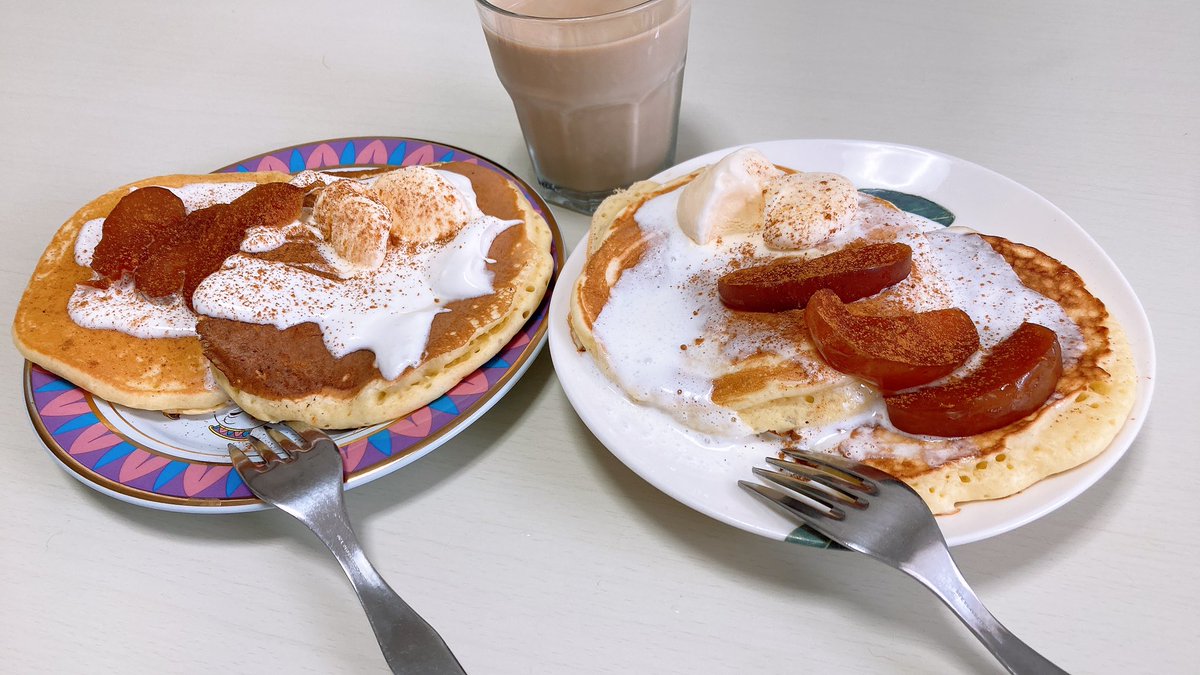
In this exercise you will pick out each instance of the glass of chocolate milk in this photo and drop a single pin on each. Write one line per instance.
(596, 86)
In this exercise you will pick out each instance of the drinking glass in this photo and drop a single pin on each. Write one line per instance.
(596, 86)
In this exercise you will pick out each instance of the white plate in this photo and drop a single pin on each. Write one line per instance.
(706, 479)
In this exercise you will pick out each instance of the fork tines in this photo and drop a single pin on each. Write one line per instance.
(813, 486)
(831, 496)
(280, 443)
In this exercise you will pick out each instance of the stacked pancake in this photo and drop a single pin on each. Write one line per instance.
(346, 299)
(648, 308)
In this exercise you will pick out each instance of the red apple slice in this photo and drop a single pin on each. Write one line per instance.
(891, 352)
(788, 283)
(1014, 380)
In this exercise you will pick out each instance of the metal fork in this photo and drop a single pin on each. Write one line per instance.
(302, 475)
(870, 511)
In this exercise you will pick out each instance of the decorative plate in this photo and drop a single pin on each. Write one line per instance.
(940, 187)
(180, 462)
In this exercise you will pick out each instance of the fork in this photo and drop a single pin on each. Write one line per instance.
(301, 473)
(870, 511)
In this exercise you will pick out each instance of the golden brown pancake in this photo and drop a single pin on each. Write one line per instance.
(163, 374)
(788, 391)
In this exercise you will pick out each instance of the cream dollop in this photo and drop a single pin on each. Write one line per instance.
(804, 210)
(426, 204)
(726, 197)
(354, 223)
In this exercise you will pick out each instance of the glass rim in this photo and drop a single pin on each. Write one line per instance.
(564, 19)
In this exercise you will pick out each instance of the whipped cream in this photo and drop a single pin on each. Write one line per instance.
(263, 239)
(388, 310)
(87, 240)
(308, 178)
(973, 277)
(466, 191)
(427, 204)
(123, 308)
(650, 326)
(803, 210)
(726, 197)
(354, 223)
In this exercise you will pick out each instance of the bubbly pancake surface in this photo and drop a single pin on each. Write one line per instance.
(734, 373)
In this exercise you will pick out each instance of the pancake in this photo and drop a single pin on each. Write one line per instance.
(290, 374)
(759, 373)
(162, 374)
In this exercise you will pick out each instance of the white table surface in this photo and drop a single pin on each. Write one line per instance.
(529, 547)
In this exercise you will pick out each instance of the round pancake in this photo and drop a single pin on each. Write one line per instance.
(290, 375)
(772, 393)
(152, 374)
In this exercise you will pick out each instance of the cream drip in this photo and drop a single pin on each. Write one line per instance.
(123, 308)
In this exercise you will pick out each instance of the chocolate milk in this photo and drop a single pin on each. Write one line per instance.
(598, 101)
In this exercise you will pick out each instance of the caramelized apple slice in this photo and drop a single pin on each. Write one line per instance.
(200, 243)
(134, 229)
(268, 205)
(180, 252)
(1013, 381)
(788, 283)
(892, 352)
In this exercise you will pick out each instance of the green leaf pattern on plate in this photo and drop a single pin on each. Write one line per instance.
(913, 204)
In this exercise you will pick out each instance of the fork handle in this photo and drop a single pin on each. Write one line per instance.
(409, 644)
(941, 575)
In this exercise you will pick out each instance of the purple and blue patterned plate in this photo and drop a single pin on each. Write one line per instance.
(180, 462)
